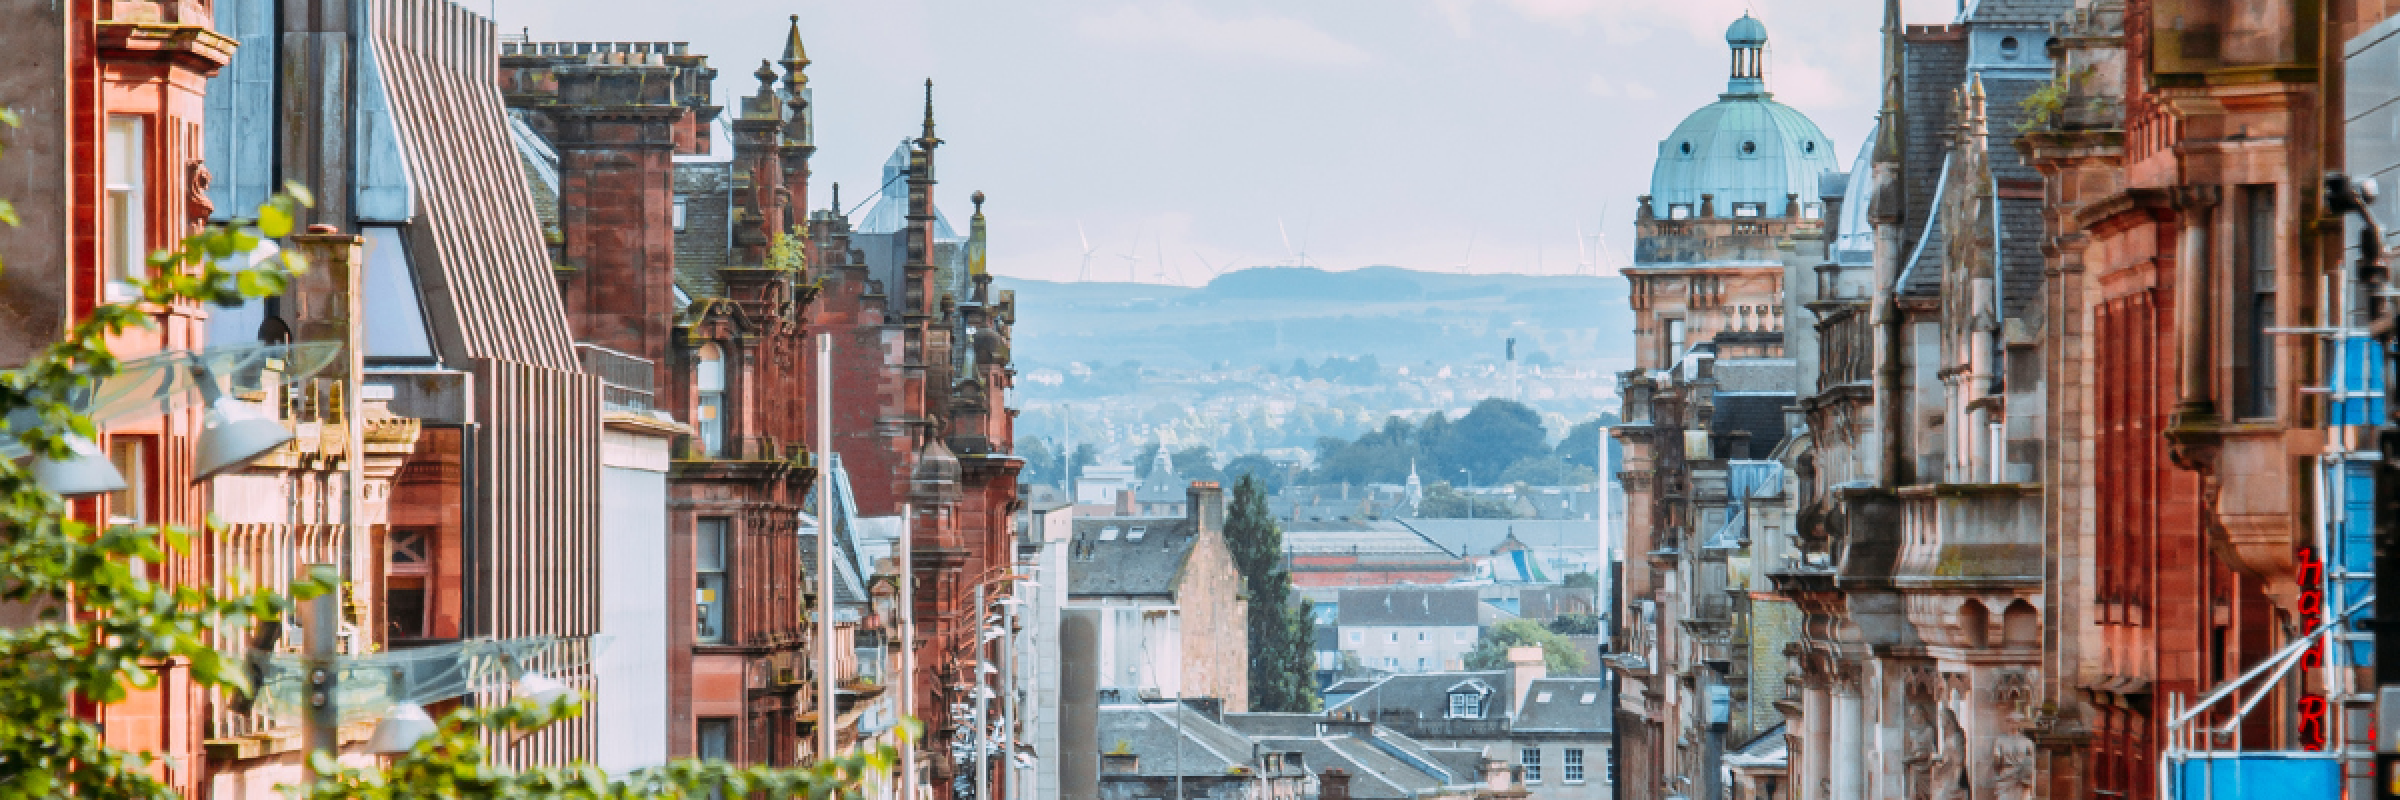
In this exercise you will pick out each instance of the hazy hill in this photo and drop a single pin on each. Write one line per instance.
(1272, 315)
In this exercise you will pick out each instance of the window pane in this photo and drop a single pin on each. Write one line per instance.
(711, 546)
(716, 738)
(124, 174)
(404, 607)
(708, 584)
(131, 506)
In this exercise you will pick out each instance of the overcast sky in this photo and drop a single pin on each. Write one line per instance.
(1431, 134)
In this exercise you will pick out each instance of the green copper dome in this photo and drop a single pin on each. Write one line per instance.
(1745, 150)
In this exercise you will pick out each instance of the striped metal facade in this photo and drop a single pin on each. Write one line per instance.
(494, 310)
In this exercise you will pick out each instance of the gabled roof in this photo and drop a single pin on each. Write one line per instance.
(1104, 558)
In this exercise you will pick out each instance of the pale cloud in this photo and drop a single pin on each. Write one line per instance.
(1256, 37)
(1599, 86)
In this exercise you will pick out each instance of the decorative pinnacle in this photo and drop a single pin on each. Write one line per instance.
(795, 56)
(928, 139)
(765, 76)
(978, 198)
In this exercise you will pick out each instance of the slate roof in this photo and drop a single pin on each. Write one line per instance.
(1151, 731)
(2034, 12)
(1427, 694)
(706, 242)
(850, 568)
(1409, 607)
(1565, 709)
(1125, 566)
(1374, 774)
(1760, 414)
(1767, 749)
(1934, 64)
(2020, 218)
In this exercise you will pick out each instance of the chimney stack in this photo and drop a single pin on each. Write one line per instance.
(1207, 501)
(1125, 502)
(1525, 665)
(1333, 784)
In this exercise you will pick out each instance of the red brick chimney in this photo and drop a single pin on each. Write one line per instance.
(1333, 784)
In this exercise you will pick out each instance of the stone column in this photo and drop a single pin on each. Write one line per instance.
(1816, 720)
(1847, 771)
(2191, 300)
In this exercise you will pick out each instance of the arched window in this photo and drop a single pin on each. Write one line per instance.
(709, 378)
(2009, 47)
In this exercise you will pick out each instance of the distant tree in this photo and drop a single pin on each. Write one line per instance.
(1493, 435)
(1443, 502)
(1581, 445)
(1581, 580)
(1491, 651)
(1282, 634)
(1378, 456)
(1271, 475)
(1044, 465)
(1196, 463)
(1575, 623)
(1547, 470)
(1085, 455)
(1143, 459)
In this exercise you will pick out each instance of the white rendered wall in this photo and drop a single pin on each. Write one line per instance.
(630, 710)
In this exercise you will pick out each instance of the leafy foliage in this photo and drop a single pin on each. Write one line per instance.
(1558, 654)
(1282, 634)
(1576, 623)
(456, 762)
(1443, 502)
(1580, 580)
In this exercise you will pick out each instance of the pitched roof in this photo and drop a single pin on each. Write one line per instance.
(1428, 694)
(1128, 555)
(1564, 704)
(1171, 739)
(1409, 607)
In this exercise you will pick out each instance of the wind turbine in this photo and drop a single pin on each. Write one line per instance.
(1288, 257)
(1583, 258)
(1133, 262)
(1084, 274)
(1467, 266)
(1600, 257)
(1204, 262)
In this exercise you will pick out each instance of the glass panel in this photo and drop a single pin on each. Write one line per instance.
(395, 318)
(716, 738)
(708, 563)
(125, 176)
(131, 506)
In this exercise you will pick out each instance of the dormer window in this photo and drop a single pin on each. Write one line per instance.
(1108, 534)
(1135, 533)
(1466, 705)
(2009, 48)
(1687, 148)
(1679, 211)
(1747, 210)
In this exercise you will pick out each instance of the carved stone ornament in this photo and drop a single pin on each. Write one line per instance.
(197, 205)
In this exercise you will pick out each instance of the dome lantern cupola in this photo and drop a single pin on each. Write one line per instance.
(1748, 38)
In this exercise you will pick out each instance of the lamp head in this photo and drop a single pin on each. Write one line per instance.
(232, 432)
(86, 472)
(400, 730)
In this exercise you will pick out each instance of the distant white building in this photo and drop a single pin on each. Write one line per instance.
(1412, 630)
(1099, 484)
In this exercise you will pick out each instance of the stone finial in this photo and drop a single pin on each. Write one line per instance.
(765, 76)
(978, 199)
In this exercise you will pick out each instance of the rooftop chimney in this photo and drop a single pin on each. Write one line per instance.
(1525, 665)
(1333, 784)
(1207, 501)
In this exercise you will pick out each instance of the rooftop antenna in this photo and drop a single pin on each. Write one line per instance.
(1085, 273)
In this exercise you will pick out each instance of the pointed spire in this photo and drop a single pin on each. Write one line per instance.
(795, 55)
(1887, 145)
(928, 140)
